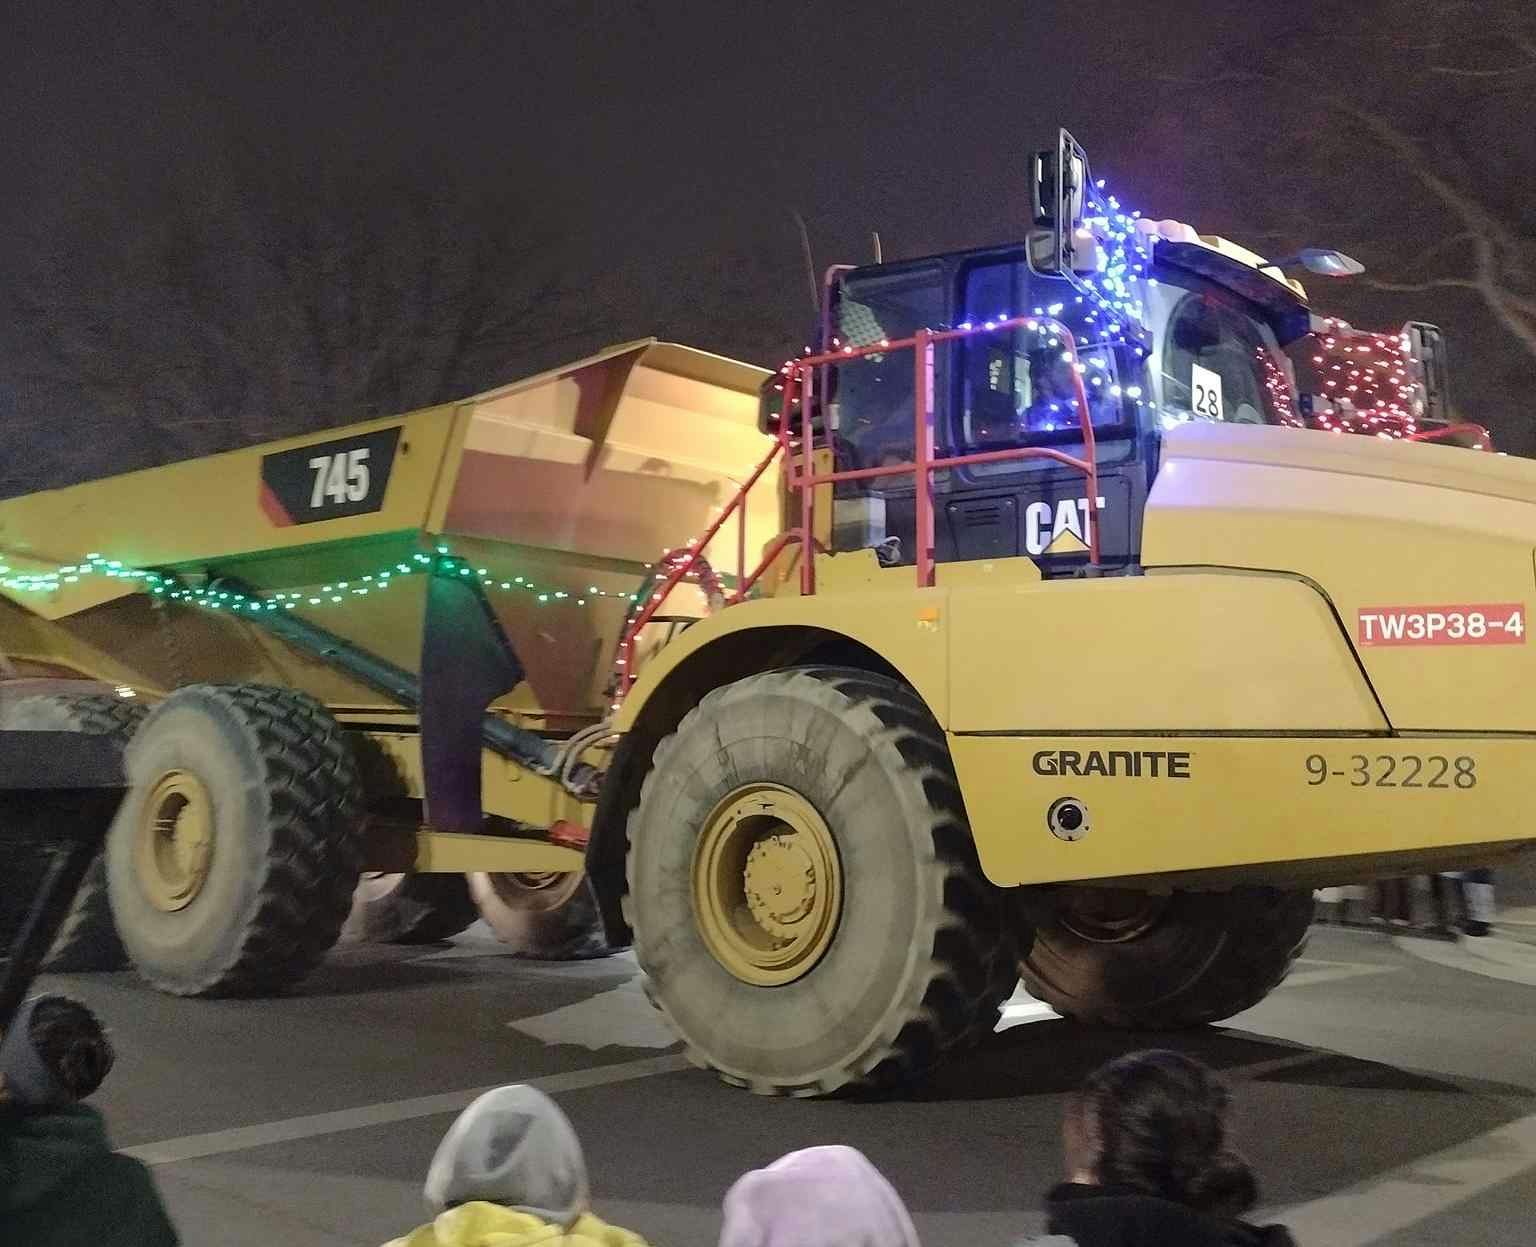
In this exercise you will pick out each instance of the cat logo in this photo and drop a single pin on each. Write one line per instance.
(1060, 528)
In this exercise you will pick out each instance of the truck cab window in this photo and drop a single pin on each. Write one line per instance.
(1017, 385)
(1216, 363)
(874, 409)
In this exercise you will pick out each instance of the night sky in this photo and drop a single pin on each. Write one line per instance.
(227, 222)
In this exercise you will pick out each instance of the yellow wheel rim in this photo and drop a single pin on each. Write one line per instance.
(767, 885)
(174, 844)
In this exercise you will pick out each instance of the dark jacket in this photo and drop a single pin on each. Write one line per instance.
(61, 1184)
(1110, 1216)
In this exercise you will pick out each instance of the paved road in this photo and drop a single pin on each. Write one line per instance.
(1383, 1097)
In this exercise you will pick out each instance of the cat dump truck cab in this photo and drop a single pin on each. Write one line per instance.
(1091, 650)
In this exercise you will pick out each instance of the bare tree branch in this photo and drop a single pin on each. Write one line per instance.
(1434, 283)
(1451, 71)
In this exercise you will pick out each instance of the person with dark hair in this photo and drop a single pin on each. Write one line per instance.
(66, 1054)
(1148, 1162)
(60, 1181)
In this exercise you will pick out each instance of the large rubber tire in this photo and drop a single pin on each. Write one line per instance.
(280, 779)
(543, 917)
(1204, 957)
(409, 909)
(87, 940)
(918, 963)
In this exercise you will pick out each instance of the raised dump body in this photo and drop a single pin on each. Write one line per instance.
(402, 574)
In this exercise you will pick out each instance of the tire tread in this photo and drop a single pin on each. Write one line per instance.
(970, 966)
(314, 852)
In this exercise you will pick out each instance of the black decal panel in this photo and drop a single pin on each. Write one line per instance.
(328, 480)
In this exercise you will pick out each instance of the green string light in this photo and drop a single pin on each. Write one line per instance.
(70, 573)
(340, 592)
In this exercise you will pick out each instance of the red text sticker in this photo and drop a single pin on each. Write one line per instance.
(1499, 623)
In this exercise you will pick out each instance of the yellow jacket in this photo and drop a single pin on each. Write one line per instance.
(480, 1224)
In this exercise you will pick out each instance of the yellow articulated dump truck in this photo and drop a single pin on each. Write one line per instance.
(357, 671)
(1045, 620)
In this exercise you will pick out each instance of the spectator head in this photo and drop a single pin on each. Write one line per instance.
(819, 1197)
(54, 1053)
(513, 1147)
(1156, 1122)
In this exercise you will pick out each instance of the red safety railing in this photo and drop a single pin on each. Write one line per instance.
(1472, 436)
(801, 375)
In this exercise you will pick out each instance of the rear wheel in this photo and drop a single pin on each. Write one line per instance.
(87, 939)
(232, 863)
(409, 908)
(395, 908)
(1137, 960)
(803, 888)
(547, 916)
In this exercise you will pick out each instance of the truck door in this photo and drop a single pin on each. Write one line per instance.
(1016, 388)
(993, 390)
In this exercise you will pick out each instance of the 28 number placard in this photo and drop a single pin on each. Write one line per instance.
(1205, 392)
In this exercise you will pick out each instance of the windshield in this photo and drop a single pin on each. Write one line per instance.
(1217, 363)
(994, 389)
(1017, 385)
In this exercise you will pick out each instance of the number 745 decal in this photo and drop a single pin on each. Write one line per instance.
(342, 477)
(328, 480)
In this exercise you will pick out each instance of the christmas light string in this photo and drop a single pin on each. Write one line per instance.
(213, 597)
(1362, 382)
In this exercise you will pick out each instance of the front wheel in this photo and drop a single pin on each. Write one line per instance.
(803, 889)
(1143, 961)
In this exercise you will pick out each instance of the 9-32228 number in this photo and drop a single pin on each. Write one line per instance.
(1386, 770)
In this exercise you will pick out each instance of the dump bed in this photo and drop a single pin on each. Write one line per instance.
(557, 489)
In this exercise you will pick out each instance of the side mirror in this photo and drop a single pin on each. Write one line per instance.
(1058, 198)
(770, 405)
(1426, 344)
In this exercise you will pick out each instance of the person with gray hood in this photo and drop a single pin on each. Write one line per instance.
(510, 1171)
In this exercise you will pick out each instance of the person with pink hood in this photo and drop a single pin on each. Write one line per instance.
(819, 1197)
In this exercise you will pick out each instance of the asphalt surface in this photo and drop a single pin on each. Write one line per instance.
(1383, 1097)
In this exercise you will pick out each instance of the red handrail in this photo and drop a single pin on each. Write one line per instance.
(684, 565)
(924, 465)
(1484, 439)
(801, 374)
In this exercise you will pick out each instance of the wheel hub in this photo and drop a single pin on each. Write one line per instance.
(780, 884)
(767, 885)
(535, 891)
(537, 880)
(1109, 915)
(173, 846)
